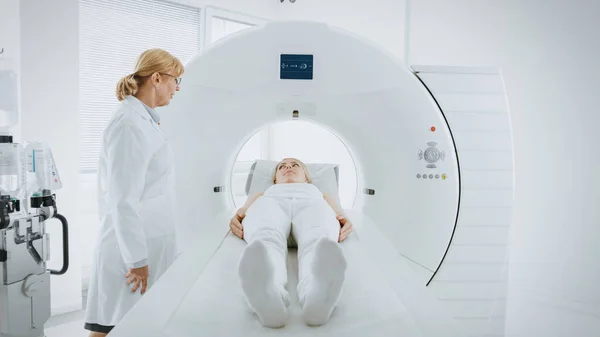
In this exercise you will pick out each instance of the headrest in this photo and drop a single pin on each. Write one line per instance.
(324, 176)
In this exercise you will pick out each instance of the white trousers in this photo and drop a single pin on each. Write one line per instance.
(298, 209)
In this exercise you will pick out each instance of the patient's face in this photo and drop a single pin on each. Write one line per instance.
(290, 171)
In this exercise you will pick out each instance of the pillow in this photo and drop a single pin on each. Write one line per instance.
(324, 176)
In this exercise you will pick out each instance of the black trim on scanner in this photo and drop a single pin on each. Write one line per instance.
(459, 177)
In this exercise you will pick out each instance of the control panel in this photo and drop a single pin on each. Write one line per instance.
(296, 67)
(432, 157)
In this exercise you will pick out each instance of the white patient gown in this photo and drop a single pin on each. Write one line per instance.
(137, 212)
(299, 209)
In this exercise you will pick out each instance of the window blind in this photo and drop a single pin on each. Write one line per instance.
(112, 34)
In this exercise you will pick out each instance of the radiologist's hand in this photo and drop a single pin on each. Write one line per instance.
(236, 223)
(139, 276)
(346, 227)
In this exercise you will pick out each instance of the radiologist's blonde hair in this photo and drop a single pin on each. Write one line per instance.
(149, 62)
(308, 178)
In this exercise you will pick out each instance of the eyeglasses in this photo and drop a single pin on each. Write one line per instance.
(177, 79)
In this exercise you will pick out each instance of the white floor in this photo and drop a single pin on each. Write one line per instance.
(73, 329)
(68, 325)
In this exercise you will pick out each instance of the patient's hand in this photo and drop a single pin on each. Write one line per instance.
(236, 223)
(346, 227)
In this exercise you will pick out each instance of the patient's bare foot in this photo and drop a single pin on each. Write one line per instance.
(257, 276)
(324, 289)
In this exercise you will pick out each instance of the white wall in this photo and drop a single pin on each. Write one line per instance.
(548, 51)
(381, 21)
(49, 60)
(10, 40)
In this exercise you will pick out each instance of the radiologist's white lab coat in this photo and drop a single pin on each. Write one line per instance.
(137, 211)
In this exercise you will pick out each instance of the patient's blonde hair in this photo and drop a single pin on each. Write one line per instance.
(149, 62)
(308, 178)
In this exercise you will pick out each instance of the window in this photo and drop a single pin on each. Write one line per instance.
(223, 27)
(112, 35)
(221, 23)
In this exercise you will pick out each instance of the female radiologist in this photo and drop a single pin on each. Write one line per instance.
(137, 241)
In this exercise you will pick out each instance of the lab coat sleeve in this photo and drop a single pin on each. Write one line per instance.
(128, 159)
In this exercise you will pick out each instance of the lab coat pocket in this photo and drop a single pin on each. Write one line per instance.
(155, 213)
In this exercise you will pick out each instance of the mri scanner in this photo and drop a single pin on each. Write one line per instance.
(433, 152)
